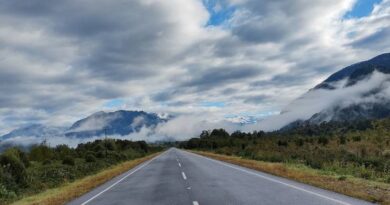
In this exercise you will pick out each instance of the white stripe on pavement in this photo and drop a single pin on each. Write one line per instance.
(184, 175)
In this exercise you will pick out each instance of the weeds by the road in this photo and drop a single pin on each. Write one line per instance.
(75, 189)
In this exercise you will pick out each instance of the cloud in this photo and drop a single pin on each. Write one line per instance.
(65, 60)
(324, 100)
(94, 122)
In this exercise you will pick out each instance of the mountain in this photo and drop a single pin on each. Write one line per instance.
(101, 123)
(113, 123)
(34, 130)
(357, 92)
(358, 71)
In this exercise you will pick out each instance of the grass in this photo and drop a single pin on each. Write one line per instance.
(355, 187)
(67, 192)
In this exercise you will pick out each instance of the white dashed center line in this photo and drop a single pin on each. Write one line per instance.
(195, 203)
(179, 164)
(184, 176)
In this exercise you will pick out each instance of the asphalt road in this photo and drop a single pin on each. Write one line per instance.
(177, 177)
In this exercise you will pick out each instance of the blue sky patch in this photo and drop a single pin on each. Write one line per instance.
(219, 11)
(213, 104)
(362, 8)
(114, 103)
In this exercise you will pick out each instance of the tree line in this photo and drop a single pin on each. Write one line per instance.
(41, 167)
(360, 149)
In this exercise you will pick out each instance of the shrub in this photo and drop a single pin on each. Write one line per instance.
(357, 138)
(323, 140)
(299, 142)
(41, 153)
(90, 158)
(100, 154)
(314, 163)
(282, 143)
(5, 194)
(342, 178)
(68, 161)
(342, 140)
(62, 151)
(14, 166)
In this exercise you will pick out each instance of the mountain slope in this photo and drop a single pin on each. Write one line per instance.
(35, 130)
(358, 71)
(113, 123)
(357, 92)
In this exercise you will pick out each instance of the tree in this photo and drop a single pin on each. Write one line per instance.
(41, 153)
(204, 134)
(219, 133)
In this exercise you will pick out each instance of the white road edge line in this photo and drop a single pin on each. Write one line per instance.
(123, 178)
(195, 203)
(179, 164)
(274, 180)
(184, 175)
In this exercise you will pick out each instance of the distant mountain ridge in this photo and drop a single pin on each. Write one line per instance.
(358, 71)
(113, 123)
(34, 130)
(360, 92)
(119, 122)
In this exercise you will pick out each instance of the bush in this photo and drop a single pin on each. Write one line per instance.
(323, 140)
(299, 142)
(357, 138)
(342, 178)
(90, 158)
(13, 165)
(68, 161)
(282, 143)
(62, 151)
(41, 153)
(342, 140)
(5, 194)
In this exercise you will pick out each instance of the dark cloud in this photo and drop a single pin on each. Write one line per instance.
(256, 99)
(377, 40)
(63, 59)
(213, 77)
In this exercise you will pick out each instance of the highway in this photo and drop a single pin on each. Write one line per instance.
(177, 177)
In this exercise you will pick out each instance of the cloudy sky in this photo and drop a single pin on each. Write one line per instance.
(63, 60)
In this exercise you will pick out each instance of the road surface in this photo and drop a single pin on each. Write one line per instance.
(177, 177)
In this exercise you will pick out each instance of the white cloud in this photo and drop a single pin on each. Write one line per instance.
(65, 60)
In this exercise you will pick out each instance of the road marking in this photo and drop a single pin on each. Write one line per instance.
(195, 203)
(273, 180)
(179, 164)
(184, 175)
(123, 178)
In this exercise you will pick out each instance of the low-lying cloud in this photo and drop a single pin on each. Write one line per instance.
(324, 100)
(60, 61)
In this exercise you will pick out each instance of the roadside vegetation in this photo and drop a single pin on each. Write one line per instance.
(346, 152)
(25, 173)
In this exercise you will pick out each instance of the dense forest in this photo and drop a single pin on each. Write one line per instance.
(24, 173)
(360, 149)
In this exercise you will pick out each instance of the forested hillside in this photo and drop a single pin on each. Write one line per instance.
(360, 149)
(43, 167)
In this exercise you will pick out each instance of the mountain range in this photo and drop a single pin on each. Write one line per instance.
(357, 92)
(120, 122)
